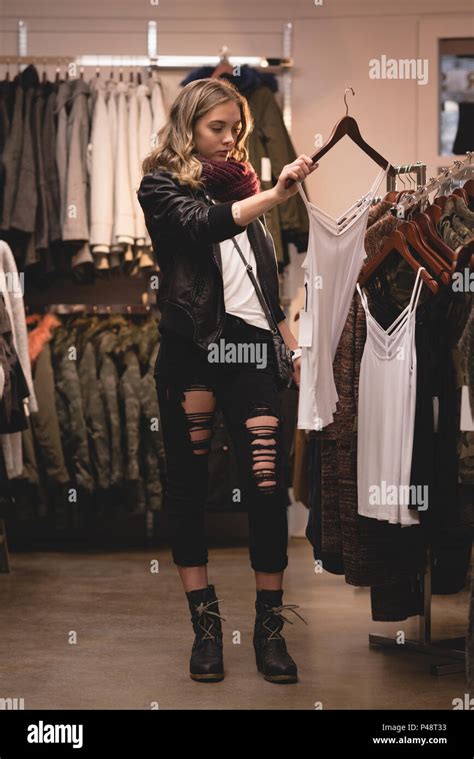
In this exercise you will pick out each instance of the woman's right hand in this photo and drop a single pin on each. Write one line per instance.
(298, 170)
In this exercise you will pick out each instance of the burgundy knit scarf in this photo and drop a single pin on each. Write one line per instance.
(229, 180)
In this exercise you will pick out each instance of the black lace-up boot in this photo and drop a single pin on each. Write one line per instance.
(273, 660)
(206, 663)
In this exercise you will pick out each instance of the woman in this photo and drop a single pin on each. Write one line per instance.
(199, 191)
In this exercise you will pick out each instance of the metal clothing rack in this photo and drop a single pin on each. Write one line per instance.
(418, 169)
(167, 62)
(87, 308)
(448, 174)
(4, 555)
(413, 168)
(451, 648)
(154, 63)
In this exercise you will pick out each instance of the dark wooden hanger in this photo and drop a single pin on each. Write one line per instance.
(437, 265)
(401, 194)
(394, 196)
(395, 242)
(425, 239)
(440, 201)
(469, 190)
(460, 191)
(434, 212)
(425, 224)
(224, 66)
(348, 126)
(464, 255)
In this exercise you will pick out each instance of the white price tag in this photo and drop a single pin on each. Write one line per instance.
(305, 330)
(266, 169)
(435, 413)
(467, 422)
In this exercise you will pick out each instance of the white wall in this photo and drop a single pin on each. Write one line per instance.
(332, 44)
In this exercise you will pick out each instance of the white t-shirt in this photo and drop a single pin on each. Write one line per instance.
(240, 296)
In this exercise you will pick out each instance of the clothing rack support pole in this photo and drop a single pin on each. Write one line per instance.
(418, 168)
(424, 620)
(22, 38)
(421, 179)
(451, 648)
(287, 76)
(152, 39)
(4, 556)
(149, 525)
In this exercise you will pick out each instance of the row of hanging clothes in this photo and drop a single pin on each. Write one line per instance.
(93, 422)
(79, 413)
(376, 422)
(70, 158)
(384, 454)
(78, 410)
(70, 164)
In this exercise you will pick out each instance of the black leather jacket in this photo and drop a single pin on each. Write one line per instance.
(185, 230)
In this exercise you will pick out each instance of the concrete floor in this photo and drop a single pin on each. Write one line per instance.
(134, 637)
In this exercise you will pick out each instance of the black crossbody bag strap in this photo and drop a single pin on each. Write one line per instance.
(283, 353)
(260, 295)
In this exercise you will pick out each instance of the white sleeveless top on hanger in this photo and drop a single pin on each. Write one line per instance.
(386, 415)
(331, 268)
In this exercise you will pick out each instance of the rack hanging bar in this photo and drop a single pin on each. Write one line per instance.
(449, 171)
(87, 308)
(418, 168)
(287, 80)
(413, 168)
(22, 38)
(152, 39)
(160, 62)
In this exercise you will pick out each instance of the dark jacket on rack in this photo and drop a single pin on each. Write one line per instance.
(185, 229)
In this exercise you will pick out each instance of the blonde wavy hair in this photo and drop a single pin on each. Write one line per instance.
(175, 139)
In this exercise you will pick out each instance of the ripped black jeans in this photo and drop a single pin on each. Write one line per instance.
(189, 387)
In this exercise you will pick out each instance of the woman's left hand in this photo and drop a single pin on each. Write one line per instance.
(297, 371)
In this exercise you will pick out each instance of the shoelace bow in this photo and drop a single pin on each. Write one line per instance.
(277, 611)
(203, 609)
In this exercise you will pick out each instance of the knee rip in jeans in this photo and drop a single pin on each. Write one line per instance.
(262, 426)
(198, 402)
